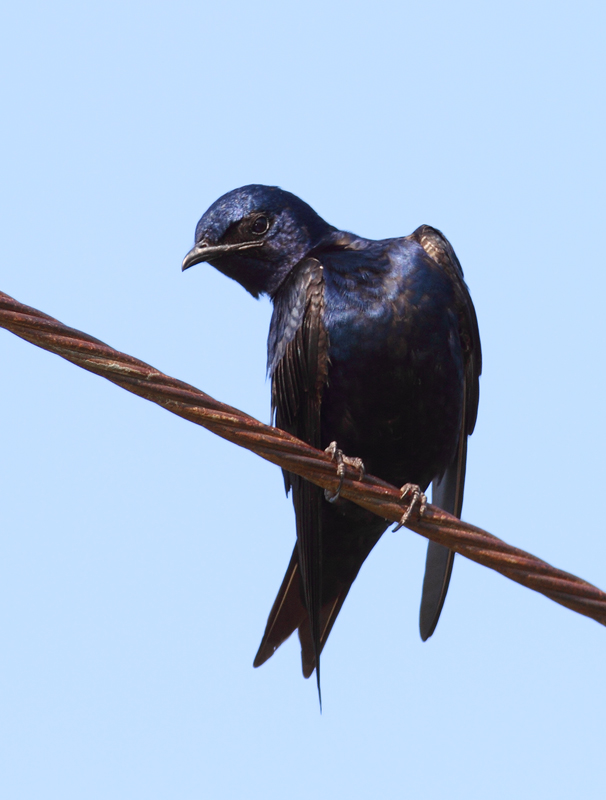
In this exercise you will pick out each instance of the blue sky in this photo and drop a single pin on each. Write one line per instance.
(140, 554)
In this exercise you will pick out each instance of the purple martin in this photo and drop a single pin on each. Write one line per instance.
(373, 345)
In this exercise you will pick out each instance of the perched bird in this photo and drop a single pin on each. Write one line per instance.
(374, 346)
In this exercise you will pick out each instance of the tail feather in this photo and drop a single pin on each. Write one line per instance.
(351, 533)
(328, 617)
(287, 614)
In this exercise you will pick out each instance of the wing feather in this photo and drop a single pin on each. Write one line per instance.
(298, 364)
(448, 488)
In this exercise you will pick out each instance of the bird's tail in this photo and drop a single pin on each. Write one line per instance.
(288, 614)
(349, 534)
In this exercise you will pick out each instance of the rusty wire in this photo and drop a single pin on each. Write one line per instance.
(294, 455)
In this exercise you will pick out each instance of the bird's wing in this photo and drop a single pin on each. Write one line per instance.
(298, 364)
(448, 488)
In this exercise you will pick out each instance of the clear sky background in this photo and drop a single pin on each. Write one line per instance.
(141, 554)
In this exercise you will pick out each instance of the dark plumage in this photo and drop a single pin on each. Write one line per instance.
(372, 344)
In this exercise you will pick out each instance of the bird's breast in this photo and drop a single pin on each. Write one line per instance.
(395, 381)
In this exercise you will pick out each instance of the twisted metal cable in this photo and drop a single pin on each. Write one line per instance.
(294, 455)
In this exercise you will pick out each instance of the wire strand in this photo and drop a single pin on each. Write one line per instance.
(294, 455)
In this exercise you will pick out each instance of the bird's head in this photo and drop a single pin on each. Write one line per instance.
(256, 235)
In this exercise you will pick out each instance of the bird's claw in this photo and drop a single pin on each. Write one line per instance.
(417, 496)
(342, 461)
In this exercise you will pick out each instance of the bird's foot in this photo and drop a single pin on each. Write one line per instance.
(416, 496)
(341, 461)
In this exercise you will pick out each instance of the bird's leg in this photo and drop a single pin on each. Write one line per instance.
(416, 496)
(341, 461)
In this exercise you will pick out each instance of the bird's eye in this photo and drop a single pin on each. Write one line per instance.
(260, 226)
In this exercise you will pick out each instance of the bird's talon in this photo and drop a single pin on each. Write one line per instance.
(342, 461)
(417, 496)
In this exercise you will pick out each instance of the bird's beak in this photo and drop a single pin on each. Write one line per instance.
(202, 251)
